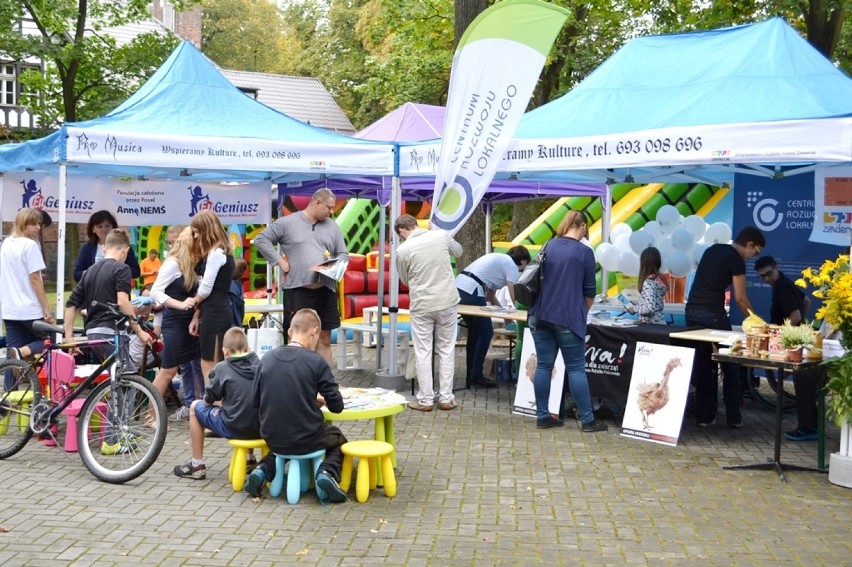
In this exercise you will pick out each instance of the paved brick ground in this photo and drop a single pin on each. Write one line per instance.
(477, 486)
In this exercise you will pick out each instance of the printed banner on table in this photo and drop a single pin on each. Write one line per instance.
(495, 69)
(134, 202)
(658, 389)
(833, 206)
(525, 394)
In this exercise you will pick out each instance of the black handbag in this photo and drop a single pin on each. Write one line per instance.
(529, 284)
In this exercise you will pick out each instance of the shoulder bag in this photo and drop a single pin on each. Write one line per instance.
(529, 284)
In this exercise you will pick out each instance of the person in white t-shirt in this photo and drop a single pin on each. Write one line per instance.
(22, 295)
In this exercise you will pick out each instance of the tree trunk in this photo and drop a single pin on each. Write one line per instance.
(465, 12)
(824, 23)
(472, 235)
(523, 215)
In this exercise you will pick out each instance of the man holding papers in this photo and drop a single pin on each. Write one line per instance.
(306, 239)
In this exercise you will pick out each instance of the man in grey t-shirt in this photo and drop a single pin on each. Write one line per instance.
(308, 238)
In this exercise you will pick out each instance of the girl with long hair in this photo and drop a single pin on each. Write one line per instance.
(652, 287)
(211, 250)
(175, 289)
(22, 296)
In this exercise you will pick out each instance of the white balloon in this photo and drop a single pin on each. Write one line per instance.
(668, 217)
(665, 247)
(622, 242)
(618, 229)
(628, 263)
(681, 239)
(679, 264)
(607, 256)
(697, 253)
(717, 233)
(695, 225)
(640, 240)
(653, 228)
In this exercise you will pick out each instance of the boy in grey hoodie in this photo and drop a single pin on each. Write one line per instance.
(227, 407)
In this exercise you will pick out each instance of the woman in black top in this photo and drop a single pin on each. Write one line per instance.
(211, 251)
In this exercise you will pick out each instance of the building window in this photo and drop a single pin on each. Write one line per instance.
(168, 15)
(8, 85)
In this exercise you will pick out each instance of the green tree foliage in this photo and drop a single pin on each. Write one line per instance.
(248, 35)
(86, 71)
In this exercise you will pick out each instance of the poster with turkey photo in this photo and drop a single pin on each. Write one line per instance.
(658, 389)
(525, 394)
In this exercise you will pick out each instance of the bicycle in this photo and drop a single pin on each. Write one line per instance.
(121, 425)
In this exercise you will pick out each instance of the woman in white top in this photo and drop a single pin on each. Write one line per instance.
(175, 289)
(22, 293)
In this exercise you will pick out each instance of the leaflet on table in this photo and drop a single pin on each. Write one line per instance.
(369, 398)
(333, 268)
(497, 309)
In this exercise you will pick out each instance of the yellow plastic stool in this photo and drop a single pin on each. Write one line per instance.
(237, 468)
(370, 455)
(23, 398)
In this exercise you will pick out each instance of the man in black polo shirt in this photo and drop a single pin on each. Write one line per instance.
(721, 266)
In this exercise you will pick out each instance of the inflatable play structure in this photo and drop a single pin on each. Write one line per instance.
(633, 205)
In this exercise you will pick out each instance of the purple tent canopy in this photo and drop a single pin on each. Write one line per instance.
(413, 122)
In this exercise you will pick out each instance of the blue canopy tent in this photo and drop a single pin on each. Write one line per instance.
(693, 107)
(187, 120)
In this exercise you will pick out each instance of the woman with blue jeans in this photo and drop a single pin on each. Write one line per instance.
(557, 320)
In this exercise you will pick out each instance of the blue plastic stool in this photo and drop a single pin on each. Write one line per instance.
(299, 477)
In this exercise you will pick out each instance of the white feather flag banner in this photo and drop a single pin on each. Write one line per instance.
(495, 69)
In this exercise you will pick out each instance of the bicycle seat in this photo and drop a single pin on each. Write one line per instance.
(45, 328)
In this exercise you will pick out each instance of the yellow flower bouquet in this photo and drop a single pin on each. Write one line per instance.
(833, 285)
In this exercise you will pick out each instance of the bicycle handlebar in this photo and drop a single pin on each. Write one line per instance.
(113, 309)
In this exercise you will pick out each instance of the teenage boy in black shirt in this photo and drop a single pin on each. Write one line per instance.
(291, 385)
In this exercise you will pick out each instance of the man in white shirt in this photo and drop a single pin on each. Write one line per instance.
(478, 285)
(424, 266)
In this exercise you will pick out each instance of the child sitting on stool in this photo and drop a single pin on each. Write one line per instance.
(291, 385)
(227, 407)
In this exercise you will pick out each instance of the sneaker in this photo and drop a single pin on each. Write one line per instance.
(415, 405)
(447, 406)
(736, 425)
(707, 423)
(485, 382)
(332, 489)
(549, 422)
(254, 482)
(596, 425)
(198, 472)
(182, 414)
(114, 448)
(801, 434)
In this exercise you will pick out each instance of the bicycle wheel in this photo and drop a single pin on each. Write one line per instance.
(19, 392)
(121, 429)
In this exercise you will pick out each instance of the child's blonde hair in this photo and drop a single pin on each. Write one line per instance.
(235, 340)
(304, 320)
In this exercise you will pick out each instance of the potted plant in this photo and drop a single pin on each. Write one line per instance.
(795, 338)
(833, 282)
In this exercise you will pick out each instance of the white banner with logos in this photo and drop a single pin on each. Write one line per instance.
(495, 69)
(134, 202)
(832, 206)
(793, 141)
(222, 153)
